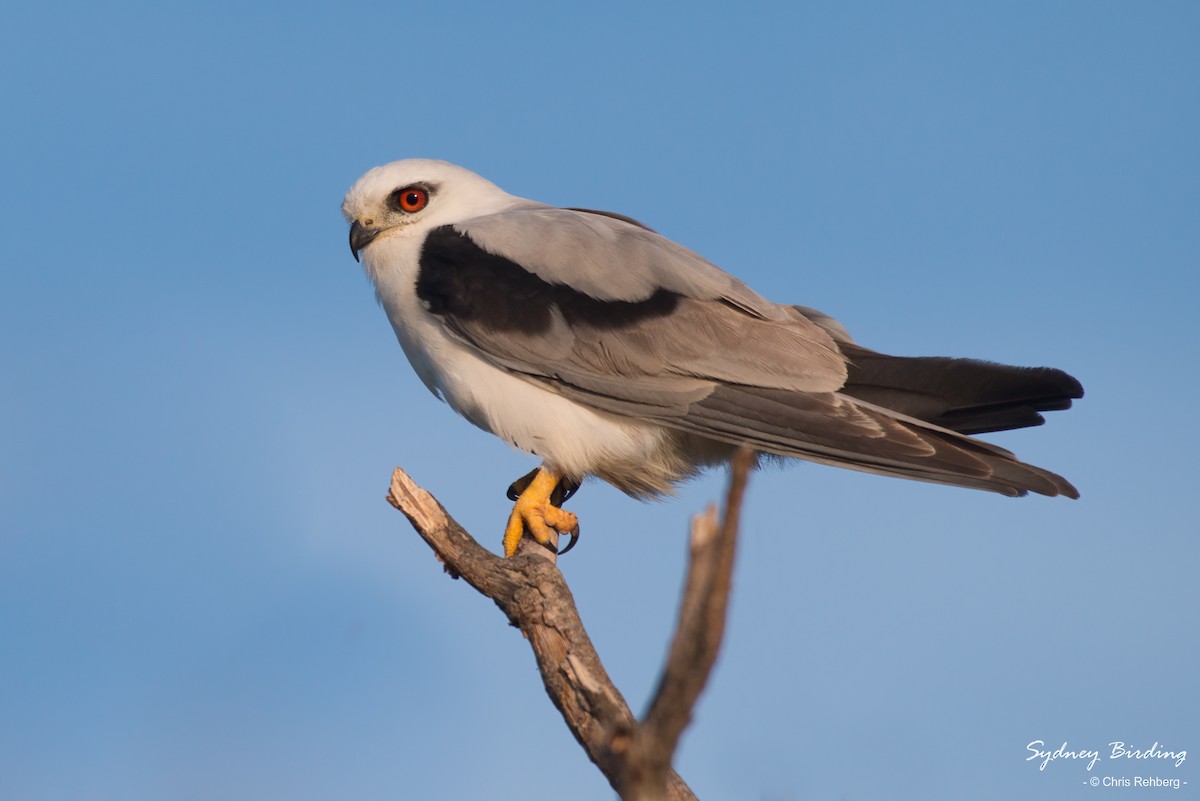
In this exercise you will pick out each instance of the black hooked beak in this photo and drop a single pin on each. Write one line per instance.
(360, 237)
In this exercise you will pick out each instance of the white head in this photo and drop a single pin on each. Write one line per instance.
(414, 196)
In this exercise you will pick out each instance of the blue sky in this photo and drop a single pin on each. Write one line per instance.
(203, 594)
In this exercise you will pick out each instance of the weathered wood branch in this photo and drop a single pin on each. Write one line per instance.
(531, 591)
(697, 641)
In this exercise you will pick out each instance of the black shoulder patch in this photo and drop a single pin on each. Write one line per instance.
(457, 278)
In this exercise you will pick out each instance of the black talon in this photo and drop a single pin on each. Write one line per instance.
(562, 492)
(573, 533)
(574, 539)
(521, 484)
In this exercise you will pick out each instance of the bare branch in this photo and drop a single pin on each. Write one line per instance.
(532, 593)
(458, 551)
(697, 641)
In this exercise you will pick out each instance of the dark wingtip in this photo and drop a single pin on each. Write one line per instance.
(1071, 386)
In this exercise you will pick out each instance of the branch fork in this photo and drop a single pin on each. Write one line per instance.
(634, 756)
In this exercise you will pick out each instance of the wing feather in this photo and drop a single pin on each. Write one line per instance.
(615, 317)
(554, 328)
(608, 257)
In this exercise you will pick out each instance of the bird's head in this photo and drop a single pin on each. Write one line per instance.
(415, 196)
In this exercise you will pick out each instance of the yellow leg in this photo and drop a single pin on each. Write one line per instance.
(534, 511)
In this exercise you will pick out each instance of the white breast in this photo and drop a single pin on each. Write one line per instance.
(566, 435)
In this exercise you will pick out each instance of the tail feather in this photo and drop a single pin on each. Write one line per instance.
(834, 429)
(969, 396)
(964, 395)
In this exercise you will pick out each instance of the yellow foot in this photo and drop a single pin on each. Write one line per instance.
(533, 512)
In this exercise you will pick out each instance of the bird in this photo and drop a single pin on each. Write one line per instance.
(605, 349)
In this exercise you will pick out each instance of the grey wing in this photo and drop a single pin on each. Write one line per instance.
(600, 301)
(672, 339)
(608, 257)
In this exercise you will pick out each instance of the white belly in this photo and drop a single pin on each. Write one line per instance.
(566, 435)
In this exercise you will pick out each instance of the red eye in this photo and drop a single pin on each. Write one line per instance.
(410, 199)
